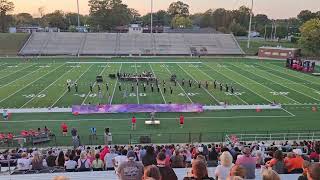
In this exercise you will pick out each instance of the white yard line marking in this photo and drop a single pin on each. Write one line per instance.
(201, 86)
(160, 90)
(276, 83)
(16, 72)
(31, 83)
(67, 90)
(47, 87)
(94, 85)
(213, 79)
(135, 65)
(131, 62)
(115, 86)
(285, 72)
(174, 118)
(179, 85)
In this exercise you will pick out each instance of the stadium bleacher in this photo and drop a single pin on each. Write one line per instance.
(164, 44)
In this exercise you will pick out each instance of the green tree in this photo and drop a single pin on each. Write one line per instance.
(160, 18)
(24, 19)
(56, 19)
(237, 29)
(72, 19)
(306, 15)
(5, 7)
(181, 22)
(108, 14)
(310, 36)
(178, 8)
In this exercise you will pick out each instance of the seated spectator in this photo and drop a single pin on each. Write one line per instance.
(213, 156)
(268, 174)
(108, 159)
(295, 163)
(51, 159)
(177, 160)
(84, 163)
(151, 172)
(248, 162)
(223, 170)
(306, 165)
(91, 155)
(260, 159)
(150, 157)
(314, 172)
(120, 159)
(277, 163)
(37, 161)
(199, 171)
(130, 169)
(167, 173)
(24, 162)
(238, 171)
(60, 159)
(314, 155)
(97, 164)
(70, 165)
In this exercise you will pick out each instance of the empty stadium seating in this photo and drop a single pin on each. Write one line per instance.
(130, 44)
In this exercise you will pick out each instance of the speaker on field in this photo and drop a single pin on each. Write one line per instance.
(99, 79)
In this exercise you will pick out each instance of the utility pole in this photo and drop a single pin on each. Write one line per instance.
(151, 23)
(78, 13)
(249, 32)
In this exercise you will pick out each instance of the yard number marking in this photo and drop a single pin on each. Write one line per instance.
(279, 93)
(34, 95)
(188, 94)
(234, 94)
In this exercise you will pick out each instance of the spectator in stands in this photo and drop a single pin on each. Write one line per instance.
(84, 163)
(223, 170)
(213, 156)
(150, 157)
(260, 159)
(199, 171)
(69, 164)
(269, 174)
(238, 171)
(120, 159)
(314, 172)
(177, 160)
(315, 154)
(60, 159)
(295, 163)
(306, 165)
(97, 164)
(277, 163)
(77, 157)
(92, 155)
(107, 136)
(24, 162)
(51, 159)
(64, 129)
(130, 169)
(248, 162)
(108, 159)
(152, 172)
(104, 152)
(166, 172)
(37, 161)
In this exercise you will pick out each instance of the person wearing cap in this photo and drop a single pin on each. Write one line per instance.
(295, 164)
(131, 169)
(248, 162)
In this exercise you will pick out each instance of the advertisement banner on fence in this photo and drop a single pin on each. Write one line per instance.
(136, 108)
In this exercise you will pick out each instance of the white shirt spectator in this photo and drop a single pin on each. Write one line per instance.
(119, 159)
(70, 164)
(108, 159)
(23, 164)
(222, 172)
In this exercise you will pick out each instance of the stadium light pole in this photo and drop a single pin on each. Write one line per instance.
(151, 14)
(78, 13)
(249, 32)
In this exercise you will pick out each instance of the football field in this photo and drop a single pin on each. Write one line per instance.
(42, 83)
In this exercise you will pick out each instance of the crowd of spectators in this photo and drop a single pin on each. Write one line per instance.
(232, 161)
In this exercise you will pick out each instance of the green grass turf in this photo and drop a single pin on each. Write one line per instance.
(42, 83)
(10, 44)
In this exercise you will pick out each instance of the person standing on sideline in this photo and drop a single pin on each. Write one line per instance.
(107, 136)
(133, 123)
(64, 128)
(181, 121)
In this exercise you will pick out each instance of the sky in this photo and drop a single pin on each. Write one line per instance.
(276, 9)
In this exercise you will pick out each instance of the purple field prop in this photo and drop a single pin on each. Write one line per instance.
(136, 108)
